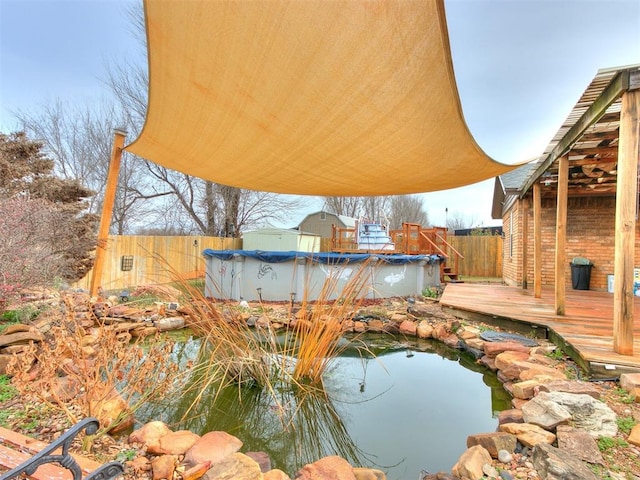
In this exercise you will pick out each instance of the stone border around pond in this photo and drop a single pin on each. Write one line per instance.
(551, 430)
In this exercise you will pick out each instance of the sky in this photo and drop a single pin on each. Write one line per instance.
(520, 67)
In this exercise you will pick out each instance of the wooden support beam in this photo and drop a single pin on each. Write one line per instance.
(596, 162)
(525, 242)
(537, 241)
(561, 235)
(626, 209)
(602, 151)
(107, 209)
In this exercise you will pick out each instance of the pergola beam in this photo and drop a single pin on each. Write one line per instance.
(596, 110)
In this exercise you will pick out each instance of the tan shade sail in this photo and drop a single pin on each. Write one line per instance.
(315, 97)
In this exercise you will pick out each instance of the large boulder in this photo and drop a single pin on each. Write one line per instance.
(578, 443)
(544, 413)
(554, 464)
(584, 412)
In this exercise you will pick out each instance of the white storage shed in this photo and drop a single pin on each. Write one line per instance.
(280, 240)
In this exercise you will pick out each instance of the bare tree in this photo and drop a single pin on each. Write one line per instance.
(394, 210)
(374, 208)
(80, 143)
(458, 221)
(406, 209)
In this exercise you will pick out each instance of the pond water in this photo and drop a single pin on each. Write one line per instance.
(409, 408)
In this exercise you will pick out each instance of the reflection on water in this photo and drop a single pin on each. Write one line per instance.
(409, 408)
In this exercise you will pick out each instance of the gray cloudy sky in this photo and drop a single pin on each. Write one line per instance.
(520, 67)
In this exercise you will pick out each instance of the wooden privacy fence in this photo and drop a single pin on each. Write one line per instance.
(133, 260)
(482, 255)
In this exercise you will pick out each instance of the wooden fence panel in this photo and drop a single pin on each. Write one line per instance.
(150, 257)
(482, 255)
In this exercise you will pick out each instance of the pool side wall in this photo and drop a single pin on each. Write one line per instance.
(241, 276)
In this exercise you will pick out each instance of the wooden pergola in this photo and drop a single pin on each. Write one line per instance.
(595, 152)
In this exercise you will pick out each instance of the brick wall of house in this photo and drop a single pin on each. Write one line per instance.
(590, 234)
(512, 245)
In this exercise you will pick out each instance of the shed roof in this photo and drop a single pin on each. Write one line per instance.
(278, 231)
(314, 97)
(349, 222)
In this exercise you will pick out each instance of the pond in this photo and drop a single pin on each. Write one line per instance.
(408, 407)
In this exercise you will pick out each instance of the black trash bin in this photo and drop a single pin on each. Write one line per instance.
(580, 273)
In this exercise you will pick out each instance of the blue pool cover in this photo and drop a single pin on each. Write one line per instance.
(322, 257)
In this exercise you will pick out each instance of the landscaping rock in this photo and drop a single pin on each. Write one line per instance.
(424, 329)
(569, 386)
(32, 335)
(18, 327)
(110, 407)
(149, 435)
(438, 476)
(554, 464)
(212, 446)
(408, 328)
(177, 443)
(493, 442)
(493, 349)
(584, 411)
(528, 434)
(527, 388)
(327, 468)
(630, 381)
(163, 466)
(276, 474)
(195, 473)
(5, 360)
(545, 413)
(236, 466)
(634, 435)
(467, 332)
(578, 443)
(471, 463)
(505, 456)
(139, 464)
(513, 415)
(505, 359)
(262, 459)
(362, 473)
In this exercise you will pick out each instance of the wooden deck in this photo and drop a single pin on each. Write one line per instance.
(585, 332)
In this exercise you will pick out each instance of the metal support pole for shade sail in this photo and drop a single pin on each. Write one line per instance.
(107, 208)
